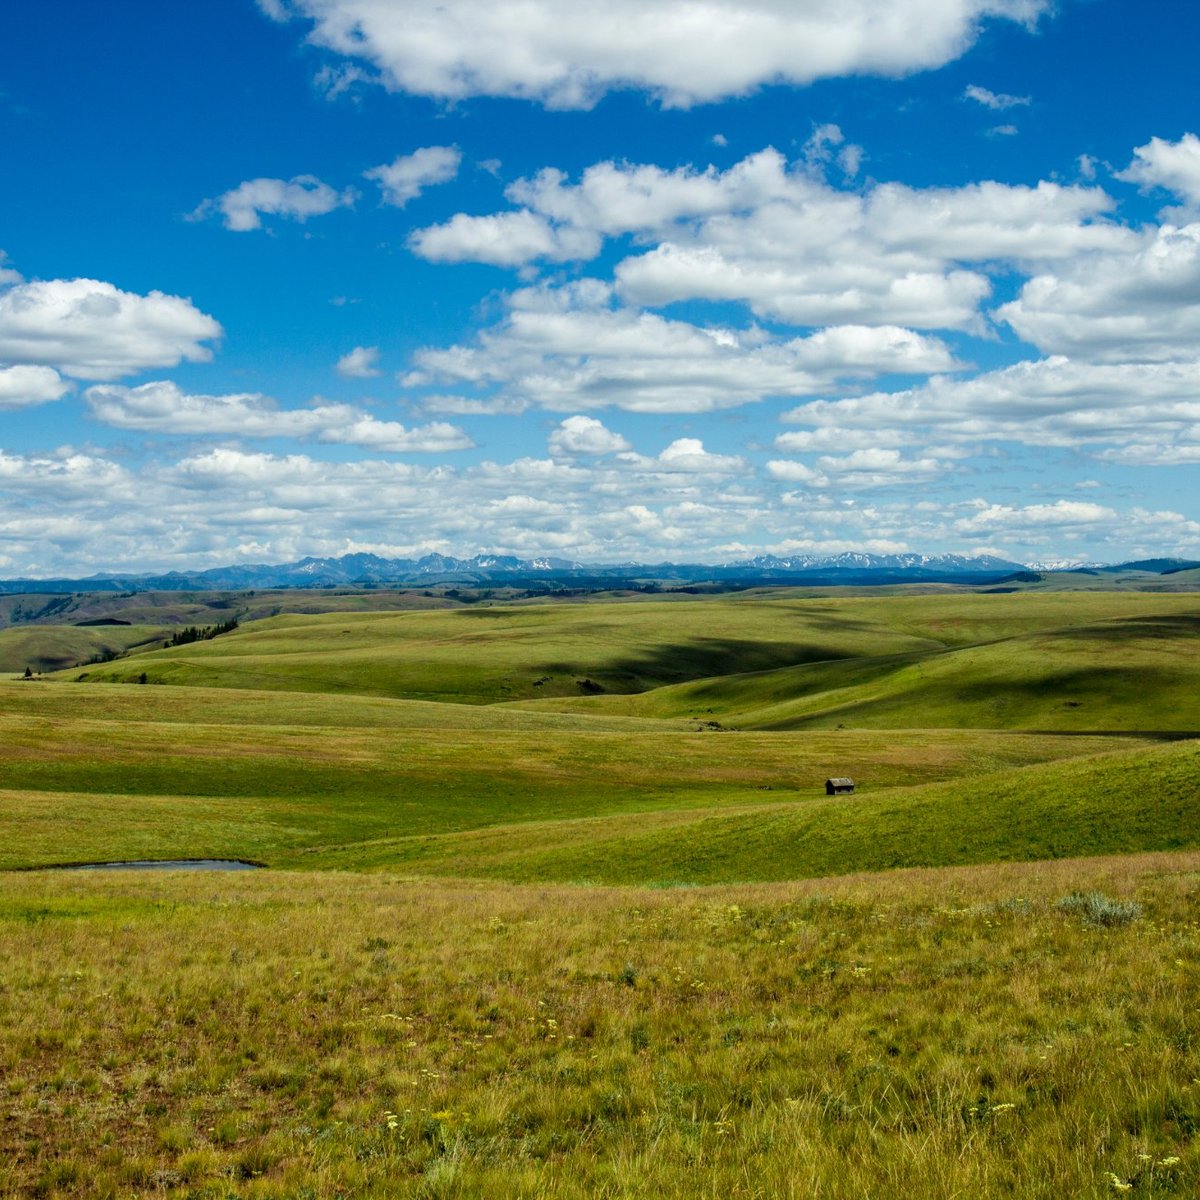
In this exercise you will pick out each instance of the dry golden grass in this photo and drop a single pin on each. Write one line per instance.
(928, 1033)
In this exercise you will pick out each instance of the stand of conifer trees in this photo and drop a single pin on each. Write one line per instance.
(202, 633)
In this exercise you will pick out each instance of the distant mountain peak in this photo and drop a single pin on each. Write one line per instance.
(488, 569)
(861, 560)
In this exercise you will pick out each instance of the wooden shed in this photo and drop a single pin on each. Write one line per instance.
(840, 786)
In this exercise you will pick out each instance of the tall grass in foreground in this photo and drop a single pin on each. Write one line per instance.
(925, 1034)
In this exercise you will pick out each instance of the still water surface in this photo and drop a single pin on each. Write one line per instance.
(187, 864)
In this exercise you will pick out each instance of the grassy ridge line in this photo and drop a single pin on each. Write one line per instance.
(500, 653)
(1109, 804)
(1106, 581)
(1141, 673)
(933, 1034)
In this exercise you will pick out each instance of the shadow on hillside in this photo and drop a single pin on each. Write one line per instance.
(912, 632)
(697, 658)
(1180, 625)
(1091, 686)
(1094, 700)
(830, 617)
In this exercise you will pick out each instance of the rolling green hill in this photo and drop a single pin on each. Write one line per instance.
(1112, 803)
(206, 608)
(1132, 673)
(505, 653)
(680, 740)
(118, 772)
(1106, 579)
(54, 647)
(485, 655)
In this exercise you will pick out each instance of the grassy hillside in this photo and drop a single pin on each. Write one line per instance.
(206, 608)
(485, 655)
(106, 772)
(53, 647)
(1121, 802)
(505, 653)
(1139, 670)
(1105, 580)
(671, 738)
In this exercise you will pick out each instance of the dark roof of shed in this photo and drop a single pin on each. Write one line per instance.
(841, 781)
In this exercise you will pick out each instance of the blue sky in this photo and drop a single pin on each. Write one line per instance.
(619, 280)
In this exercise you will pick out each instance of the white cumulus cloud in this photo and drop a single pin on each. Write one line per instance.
(92, 330)
(1046, 402)
(65, 476)
(777, 236)
(8, 275)
(688, 455)
(1136, 303)
(297, 199)
(585, 435)
(222, 504)
(869, 467)
(507, 239)
(565, 349)
(996, 101)
(684, 53)
(1002, 518)
(438, 437)
(24, 386)
(406, 177)
(163, 407)
(1174, 166)
(359, 363)
(817, 255)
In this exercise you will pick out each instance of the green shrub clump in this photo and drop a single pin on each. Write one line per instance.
(1098, 909)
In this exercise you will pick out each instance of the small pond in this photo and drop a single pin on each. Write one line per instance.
(181, 864)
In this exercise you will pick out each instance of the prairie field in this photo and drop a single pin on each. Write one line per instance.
(1021, 1030)
(556, 905)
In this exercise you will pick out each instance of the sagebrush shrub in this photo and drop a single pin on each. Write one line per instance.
(1098, 909)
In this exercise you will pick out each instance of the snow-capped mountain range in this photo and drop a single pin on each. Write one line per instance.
(852, 560)
(1064, 564)
(507, 570)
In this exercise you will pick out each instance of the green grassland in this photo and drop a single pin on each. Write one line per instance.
(507, 653)
(1127, 579)
(486, 655)
(1137, 673)
(975, 726)
(1094, 805)
(557, 905)
(118, 772)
